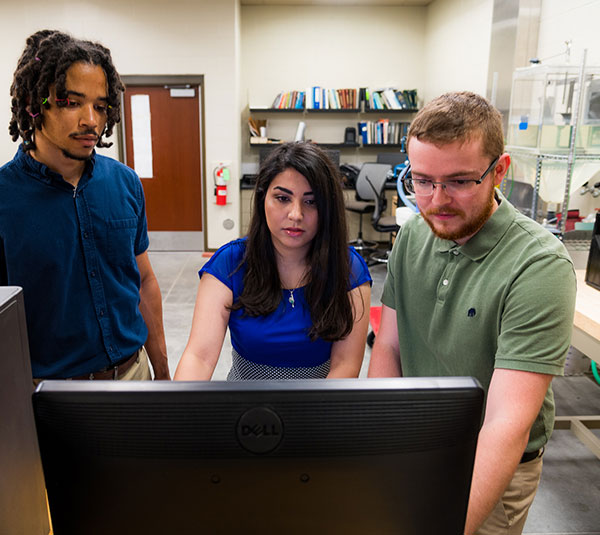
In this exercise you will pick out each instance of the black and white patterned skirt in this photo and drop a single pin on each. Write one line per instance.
(243, 369)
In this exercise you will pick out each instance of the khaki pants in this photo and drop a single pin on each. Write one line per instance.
(139, 371)
(510, 513)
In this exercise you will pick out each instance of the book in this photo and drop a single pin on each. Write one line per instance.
(362, 99)
(259, 140)
(383, 132)
(391, 99)
(309, 99)
(324, 99)
(276, 101)
(316, 97)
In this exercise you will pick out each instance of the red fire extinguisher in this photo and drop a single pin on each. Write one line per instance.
(221, 195)
(221, 176)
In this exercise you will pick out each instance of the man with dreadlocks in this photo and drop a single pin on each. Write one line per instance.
(73, 228)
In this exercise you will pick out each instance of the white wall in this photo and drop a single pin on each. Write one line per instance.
(575, 20)
(292, 47)
(439, 48)
(249, 54)
(457, 46)
(150, 37)
(287, 48)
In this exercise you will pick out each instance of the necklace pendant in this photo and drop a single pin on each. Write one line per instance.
(291, 298)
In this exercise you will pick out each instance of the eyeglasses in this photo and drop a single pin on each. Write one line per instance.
(460, 187)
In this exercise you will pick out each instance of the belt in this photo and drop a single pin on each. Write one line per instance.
(531, 455)
(112, 372)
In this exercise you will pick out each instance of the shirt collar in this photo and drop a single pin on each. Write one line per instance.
(487, 237)
(43, 173)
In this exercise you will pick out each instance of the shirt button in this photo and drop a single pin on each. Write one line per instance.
(86, 235)
(455, 253)
(101, 312)
(92, 274)
(445, 282)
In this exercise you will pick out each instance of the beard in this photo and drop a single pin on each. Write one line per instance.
(67, 154)
(470, 226)
(72, 156)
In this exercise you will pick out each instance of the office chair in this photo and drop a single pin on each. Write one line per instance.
(380, 222)
(365, 201)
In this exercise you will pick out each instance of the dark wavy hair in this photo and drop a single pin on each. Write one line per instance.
(328, 259)
(47, 56)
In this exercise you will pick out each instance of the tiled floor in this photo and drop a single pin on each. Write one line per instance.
(568, 500)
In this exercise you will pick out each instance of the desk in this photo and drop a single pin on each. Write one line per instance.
(586, 324)
(586, 338)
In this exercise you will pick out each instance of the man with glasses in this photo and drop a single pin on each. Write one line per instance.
(474, 288)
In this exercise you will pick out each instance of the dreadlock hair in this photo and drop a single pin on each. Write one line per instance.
(328, 258)
(45, 61)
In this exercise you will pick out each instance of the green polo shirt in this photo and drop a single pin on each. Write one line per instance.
(505, 299)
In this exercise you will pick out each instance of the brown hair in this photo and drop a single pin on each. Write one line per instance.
(460, 116)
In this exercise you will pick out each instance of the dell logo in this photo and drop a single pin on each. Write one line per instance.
(259, 430)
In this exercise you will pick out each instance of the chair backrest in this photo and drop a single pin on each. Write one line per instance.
(381, 201)
(371, 180)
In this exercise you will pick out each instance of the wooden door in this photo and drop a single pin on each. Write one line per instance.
(173, 188)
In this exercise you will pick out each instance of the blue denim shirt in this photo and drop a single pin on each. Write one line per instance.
(73, 251)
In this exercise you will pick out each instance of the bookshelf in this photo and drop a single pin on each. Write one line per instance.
(326, 127)
(330, 111)
(322, 98)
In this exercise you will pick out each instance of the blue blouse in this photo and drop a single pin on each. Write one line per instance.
(280, 338)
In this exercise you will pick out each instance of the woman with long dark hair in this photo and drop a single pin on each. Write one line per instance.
(295, 297)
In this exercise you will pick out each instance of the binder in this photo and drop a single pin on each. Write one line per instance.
(363, 132)
(316, 97)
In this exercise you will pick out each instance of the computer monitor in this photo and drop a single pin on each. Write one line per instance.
(22, 497)
(393, 158)
(520, 195)
(385, 456)
(264, 152)
(334, 156)
(592, 271)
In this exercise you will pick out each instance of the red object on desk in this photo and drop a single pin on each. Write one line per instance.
(375, 318)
